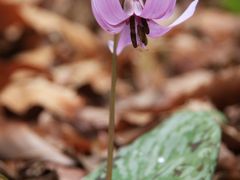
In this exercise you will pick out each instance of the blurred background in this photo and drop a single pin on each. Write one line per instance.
(55, 79)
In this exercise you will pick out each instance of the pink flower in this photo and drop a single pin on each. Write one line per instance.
(136, 19)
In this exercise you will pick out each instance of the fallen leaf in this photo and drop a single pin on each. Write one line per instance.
(19, 96)
(138, 118)
(67, 173)
(42, 57)
(231, 137)
(46, 22)
(93, 117)
(25, 144)
(10, 14)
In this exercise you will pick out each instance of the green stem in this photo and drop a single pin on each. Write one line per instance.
(111, 125)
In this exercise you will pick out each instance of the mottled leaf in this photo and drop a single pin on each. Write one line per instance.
(185, 146)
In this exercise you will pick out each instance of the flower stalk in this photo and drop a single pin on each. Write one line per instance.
(134, 21)
(111, 126)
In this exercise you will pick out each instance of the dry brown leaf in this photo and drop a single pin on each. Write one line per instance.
(227, 160)
(19, 96)
(147, 71)
(233, 114)
(88, 72)
(228, 165)
(8, 71)
(141, 100)
(93, 117)
(18, 141)
(198, 105)
(10, 14)
(62, 134)
(21, 1)
(78, 73)
(125, 137)
(90, 163)
(99, 147)
(42, 57)
(188, 83)
(223, 25)
(231, 136)
(46, 22)
(138, 118)
(213, 47)
(188, 53)
(222, 88)
(175, 92)
(67, 173)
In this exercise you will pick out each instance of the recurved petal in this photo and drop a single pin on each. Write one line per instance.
(157, 9)
(186, 14)
(114, 29)
(109, 10)
(124, 40)
(157, 30)
(170, 10)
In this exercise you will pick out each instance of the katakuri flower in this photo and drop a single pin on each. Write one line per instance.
(136, 19)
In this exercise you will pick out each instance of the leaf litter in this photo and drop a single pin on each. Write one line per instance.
(55, 77)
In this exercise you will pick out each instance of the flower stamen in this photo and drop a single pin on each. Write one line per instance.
(133, 31)
(145, 25)
(142, 34)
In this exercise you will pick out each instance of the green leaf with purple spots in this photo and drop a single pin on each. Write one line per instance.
(184, 147)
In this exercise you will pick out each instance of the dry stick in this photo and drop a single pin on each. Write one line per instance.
(111, 125)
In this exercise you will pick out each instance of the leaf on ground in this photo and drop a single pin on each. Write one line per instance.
(18, 141)
(49, 171)
(69, 173)
(42, 57)
(21, 2)
(46, 22)
(10, 14)
(79, 73)
(2, 177)
(62, 134)
(228, 165)
(174, 92)
(186, 146)
(221, 87)
(93, 117)
(232, 137)
(219, 42)
(39, 91)
(87, 72)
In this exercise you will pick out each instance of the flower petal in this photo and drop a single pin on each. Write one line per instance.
(107, 27)
(109, 10)
(133, 7)
(111, 45)
(157, 9)
(157, 30)
(186, 14)
(170, 10)
(124, 39)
